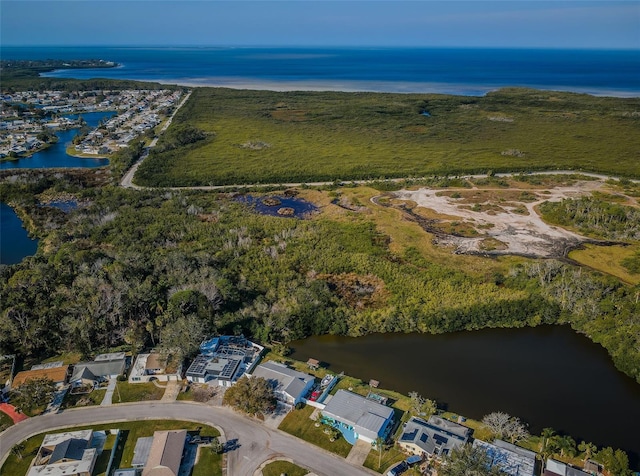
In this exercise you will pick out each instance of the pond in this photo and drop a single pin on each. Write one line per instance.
(56, 155)
(15, 243)
(290, 207)
(548, 376)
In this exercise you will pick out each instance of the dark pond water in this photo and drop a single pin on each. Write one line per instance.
(64, 205)
(56, 155)
(15, 243)
(548, 376)
(300, 207)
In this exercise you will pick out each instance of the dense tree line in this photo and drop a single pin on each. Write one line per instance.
(146, 268)
(594, 216)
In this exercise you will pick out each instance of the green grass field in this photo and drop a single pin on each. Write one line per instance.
(265, 136)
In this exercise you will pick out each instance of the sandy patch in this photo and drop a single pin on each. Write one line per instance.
(518, 233)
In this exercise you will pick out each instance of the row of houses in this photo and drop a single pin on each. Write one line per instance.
(224, 359)
(90, 373)
(75, 453)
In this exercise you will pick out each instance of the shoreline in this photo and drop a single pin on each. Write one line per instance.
(353, 86)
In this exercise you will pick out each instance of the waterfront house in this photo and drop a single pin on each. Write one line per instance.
(290, 386)
(512, 459)
(557, 468)
(433, 438)
(357, 417)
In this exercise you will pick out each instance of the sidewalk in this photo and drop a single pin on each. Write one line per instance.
(11, 411)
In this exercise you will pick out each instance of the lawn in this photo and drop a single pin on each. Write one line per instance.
(278, 468)
(136, 392)
(83, 400)
(130, 432)
(298, 424)
(381, 463)
(325, 136)
(209, 463)
(5, 421)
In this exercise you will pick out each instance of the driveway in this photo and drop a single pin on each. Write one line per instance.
(108, 395)
(254, 443)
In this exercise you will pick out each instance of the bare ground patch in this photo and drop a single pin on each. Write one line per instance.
(495, 221)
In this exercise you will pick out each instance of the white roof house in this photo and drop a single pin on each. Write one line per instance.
(512, 459)
(65, 454)
(366, 418)
(290, 386)
(153, 366)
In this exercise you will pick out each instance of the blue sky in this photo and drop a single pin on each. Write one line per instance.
(506, 23)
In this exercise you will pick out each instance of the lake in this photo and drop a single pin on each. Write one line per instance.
(15, 243)
(548, 376)
(56, 155)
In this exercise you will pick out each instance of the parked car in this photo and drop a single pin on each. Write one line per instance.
(315, 395)
(400, 468)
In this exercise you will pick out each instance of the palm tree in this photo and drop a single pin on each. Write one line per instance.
(546, 444)
(588, 449)
(566, 445)
(545, 435)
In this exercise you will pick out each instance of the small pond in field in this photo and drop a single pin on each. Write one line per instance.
(290, 207)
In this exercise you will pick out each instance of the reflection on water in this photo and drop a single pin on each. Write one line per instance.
(15, 243)
(56, 155)
(548, 376)
(64, 205)
(279, 206)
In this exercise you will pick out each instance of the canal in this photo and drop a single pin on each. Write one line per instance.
(56, 155)
(548, 376)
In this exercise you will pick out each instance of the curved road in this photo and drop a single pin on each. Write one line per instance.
(257, 443)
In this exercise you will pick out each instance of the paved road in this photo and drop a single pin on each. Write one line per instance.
(127, 180)
(257, 443)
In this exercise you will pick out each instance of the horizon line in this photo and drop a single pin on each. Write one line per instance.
(240, 46)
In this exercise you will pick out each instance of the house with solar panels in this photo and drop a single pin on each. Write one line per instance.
(357, 417)
(433, 438)
(223, 360)
(289, 385)
(512, 459)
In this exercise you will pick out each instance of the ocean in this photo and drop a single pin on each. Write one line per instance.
(462, 71)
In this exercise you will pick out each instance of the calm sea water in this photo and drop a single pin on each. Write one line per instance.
(443, 70)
